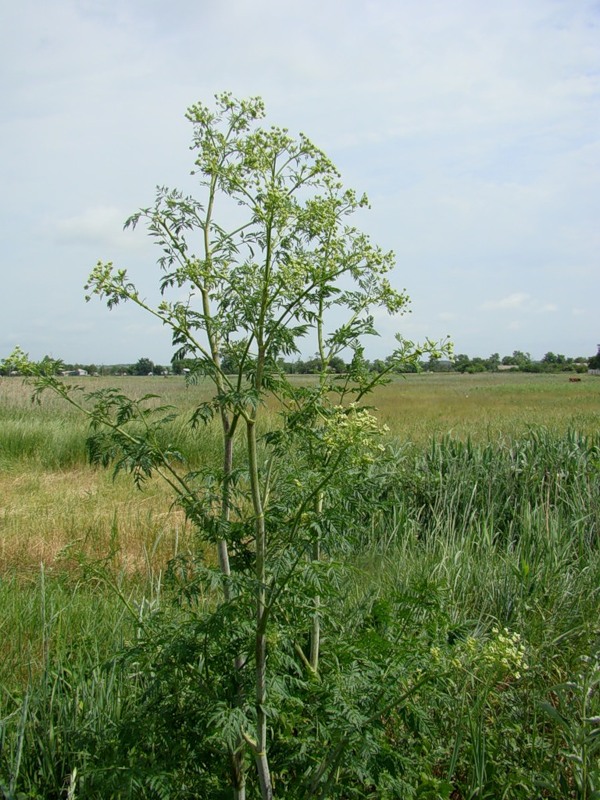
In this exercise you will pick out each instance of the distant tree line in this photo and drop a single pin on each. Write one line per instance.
(142, 367)
(518, 361)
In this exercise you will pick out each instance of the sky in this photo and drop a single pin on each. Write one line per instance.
(473, 127)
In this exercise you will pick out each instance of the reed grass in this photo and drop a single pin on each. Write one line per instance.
(504, 537)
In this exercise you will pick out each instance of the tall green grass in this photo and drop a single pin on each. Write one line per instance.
(507, 536)
(51, 435)
(416, 408)
(44, 441)
(495, 490)
(61, 693)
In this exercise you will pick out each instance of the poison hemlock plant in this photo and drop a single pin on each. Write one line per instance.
(237, 673)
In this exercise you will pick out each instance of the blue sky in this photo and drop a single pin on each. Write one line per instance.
(473, 127)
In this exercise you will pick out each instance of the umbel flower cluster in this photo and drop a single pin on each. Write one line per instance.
(505, 653)
(355, 431)
(501, 656)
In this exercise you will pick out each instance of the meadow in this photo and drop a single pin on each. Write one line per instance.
(481, 563)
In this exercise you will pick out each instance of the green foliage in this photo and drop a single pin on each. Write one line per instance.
(495, 629)
(292, 266)
(143, 367)
(574, 707)
(594, 361)
(285, 666)
(518, 359)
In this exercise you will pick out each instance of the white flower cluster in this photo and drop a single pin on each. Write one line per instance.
(353, 429)
(503, 654)
(506, 652)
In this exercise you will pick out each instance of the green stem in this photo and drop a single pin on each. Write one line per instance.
(315, 633)
(260, 648)
(228, 425)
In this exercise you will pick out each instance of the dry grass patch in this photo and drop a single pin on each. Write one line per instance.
(62, 518)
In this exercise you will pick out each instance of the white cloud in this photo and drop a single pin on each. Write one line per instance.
(515, 300)
(520, 301)
(100, 226)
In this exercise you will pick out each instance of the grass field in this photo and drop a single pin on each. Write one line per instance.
(54, 505)
(494, 523)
